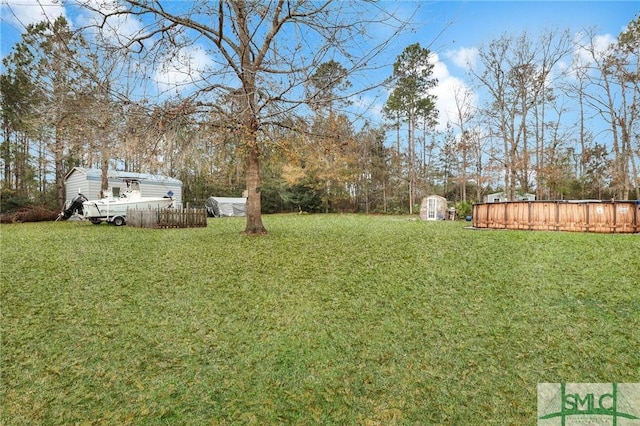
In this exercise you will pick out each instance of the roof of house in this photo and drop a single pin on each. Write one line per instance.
(96, 174)
(504, 193)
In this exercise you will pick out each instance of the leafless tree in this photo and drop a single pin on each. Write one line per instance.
(614, 94)
(517, 73)
(259, 56)
(467, 138)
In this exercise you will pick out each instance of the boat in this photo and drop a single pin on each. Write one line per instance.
(114, 209)
(73, 207)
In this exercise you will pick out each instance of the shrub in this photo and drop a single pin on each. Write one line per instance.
(463, 209)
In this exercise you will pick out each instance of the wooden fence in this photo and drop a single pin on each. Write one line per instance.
(167, 218)
(577, 216)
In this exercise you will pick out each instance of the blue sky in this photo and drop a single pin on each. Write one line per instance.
(454, 29)
(479, 21)
(451, 29)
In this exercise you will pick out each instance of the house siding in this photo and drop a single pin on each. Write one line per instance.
(87, 181)
(501, 197)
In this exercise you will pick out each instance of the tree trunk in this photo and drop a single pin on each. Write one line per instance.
(6, 158)
(104, 177)
(627, 158)
(60, 195)
(254, 214)
(582, 142)
(59, 166)
(411, 162)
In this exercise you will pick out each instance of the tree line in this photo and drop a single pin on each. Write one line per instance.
(277, 121)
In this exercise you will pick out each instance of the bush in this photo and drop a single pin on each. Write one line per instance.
(302, 197)
(463, 209)
(11, 200)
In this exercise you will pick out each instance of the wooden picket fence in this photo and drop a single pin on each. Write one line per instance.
(167, 218)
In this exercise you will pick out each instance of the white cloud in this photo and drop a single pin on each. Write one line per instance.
(184, 68)
(587, 49)
(595, 46)
(449, 92)
(20, 13)
(564, 67)
(465, 57)
(118, 29)
(448, 89)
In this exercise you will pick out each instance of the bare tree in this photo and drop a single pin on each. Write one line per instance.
(576, 88)
(627, 64)
(614, 94)
(493, 76)
(261, 55)
(517, 72)
(553, 47)
(463, 99)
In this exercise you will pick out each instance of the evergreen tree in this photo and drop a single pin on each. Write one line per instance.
(410, 100)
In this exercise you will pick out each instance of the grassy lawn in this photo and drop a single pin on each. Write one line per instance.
(329, 319)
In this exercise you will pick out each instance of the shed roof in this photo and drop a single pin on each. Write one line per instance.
(96, 174)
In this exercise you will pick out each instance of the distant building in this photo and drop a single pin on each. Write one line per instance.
(88, 182)
(433, 207)
(226, 206)
(499, 197)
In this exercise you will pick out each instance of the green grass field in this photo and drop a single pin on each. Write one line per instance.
(328, 319)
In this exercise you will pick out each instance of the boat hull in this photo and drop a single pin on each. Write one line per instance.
(107, 209)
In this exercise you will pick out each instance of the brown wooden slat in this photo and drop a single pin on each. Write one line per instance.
(580, 216)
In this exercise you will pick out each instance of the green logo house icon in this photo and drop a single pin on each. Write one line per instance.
(616, 404)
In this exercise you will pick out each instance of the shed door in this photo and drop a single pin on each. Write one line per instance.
(432, 208)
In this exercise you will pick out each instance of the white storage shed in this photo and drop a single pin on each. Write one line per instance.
(88, 182)
(226, 206)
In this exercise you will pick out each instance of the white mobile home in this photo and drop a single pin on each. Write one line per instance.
(88, 182)
(501, 197)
